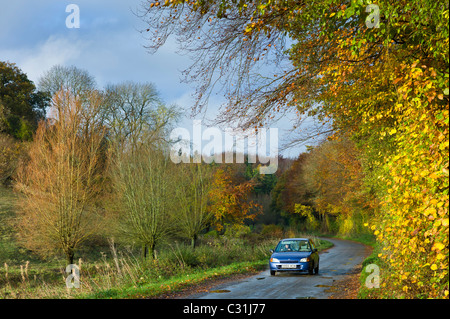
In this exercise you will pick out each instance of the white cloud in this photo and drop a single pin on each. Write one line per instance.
(55, 50)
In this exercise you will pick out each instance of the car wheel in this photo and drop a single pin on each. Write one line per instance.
(311, 269)
(273, 272)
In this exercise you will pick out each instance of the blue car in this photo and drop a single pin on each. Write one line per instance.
(294, 254)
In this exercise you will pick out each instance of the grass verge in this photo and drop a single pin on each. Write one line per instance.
(176, 283)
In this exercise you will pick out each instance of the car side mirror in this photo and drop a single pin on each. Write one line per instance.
(314, 250)
(271, 250)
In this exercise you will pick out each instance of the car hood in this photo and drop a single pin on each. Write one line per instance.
(290, 255)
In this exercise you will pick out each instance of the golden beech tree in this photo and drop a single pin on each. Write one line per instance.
(62, 180)
(229, 200)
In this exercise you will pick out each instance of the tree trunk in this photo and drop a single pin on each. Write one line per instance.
(144, 251)
(194, 241)
(153, 251)
(69, 256)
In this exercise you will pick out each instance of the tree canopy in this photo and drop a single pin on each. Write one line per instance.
(21, 104)
(384, 82)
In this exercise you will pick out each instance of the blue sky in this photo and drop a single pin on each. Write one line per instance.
(33, 34)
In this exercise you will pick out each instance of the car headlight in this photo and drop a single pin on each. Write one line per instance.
(274, 260)
(304, 260)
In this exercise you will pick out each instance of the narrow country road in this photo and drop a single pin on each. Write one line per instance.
(335, 263)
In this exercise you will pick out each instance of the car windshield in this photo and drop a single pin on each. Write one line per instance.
(292, 245)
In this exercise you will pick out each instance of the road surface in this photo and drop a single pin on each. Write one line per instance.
(335, 263)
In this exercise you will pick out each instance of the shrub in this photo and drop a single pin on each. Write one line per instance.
(237, 231)
(272, 231)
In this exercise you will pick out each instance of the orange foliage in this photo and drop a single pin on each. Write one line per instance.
(229, 199)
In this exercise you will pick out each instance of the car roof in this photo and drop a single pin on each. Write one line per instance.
(295, 239)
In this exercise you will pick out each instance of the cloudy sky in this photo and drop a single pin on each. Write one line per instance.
(34, 35)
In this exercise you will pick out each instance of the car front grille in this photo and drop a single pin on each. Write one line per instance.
(289, 261)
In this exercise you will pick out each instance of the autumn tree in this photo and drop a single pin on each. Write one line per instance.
(143, 177)
(333, 173)
(399, 113)
(62, 181)
(230, 201)
(291, 188)
(226, 52)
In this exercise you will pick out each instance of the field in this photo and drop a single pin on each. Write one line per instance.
(113, 270)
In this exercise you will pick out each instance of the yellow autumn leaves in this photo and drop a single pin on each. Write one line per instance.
(387, 87)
